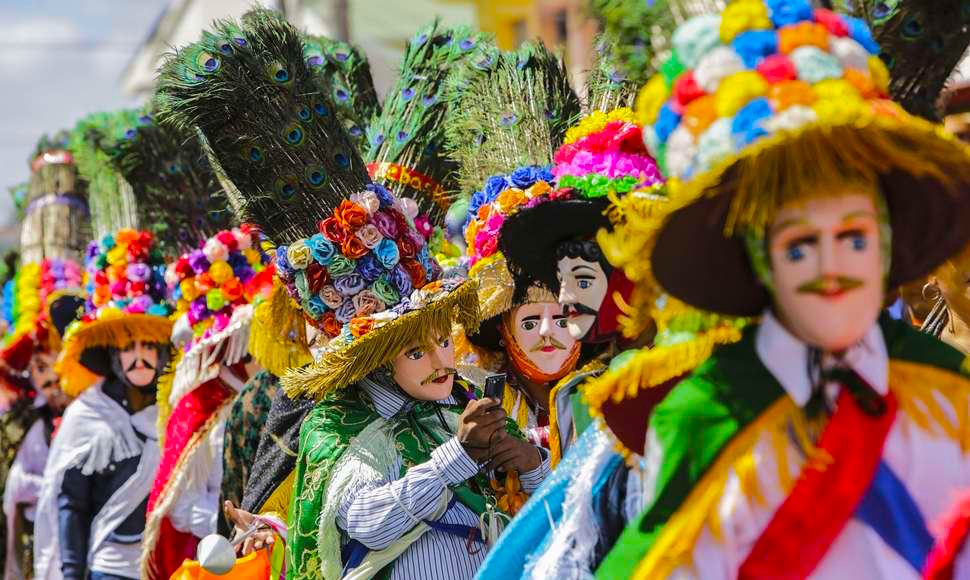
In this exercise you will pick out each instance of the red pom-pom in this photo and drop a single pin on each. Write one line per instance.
(686, 89)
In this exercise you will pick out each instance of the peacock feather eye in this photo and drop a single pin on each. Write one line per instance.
(316, 176)
(226, 48)
(173, 168)
(145, 120)
(355, 131)
(286, 189)
(467, 44)
(252, 153)
(240, 41)
(341, 56)
(507, 120)
(377, 140)
(208, 62)
(420, 39)
(321, 110)
(485, 63)
(314, 61)
(341, 94)
(294, 135)
(407, 94)
(429, 100)
(912, 28)
(278, 73)
(342, 160)
(402, 136)
(130, 133)
(304, 113)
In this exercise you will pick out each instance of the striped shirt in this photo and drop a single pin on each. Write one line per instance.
(380, 513)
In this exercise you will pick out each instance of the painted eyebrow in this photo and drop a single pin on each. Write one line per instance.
(582, 266)
(787, 224)
(858, 214)
(534, 317)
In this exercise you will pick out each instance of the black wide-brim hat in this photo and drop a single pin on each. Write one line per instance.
(928, 202)
(530, 237)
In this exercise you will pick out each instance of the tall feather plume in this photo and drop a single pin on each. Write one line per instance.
(267, 120)
(640, 31)
(607, 86)
(515, 115)
(346, 72)
(410, 131)
(178, 196)
(93, 143)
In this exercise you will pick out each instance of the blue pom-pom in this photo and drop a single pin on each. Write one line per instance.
(745, 127)
(785, 12)
(859, 32)
(754, 45)
(667, 121)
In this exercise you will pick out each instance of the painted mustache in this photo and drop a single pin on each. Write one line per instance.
(547, 342)
(577, 309)
(830, 285)
(438, 374)
(134, 364)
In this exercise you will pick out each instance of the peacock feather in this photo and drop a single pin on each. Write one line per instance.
(406, 142)
(640, 31)
(18, 193)
(607, 86)
(267, 120)
(93, 144)
(178, 196)
(921, 44)
(346, 72)
(515, 115)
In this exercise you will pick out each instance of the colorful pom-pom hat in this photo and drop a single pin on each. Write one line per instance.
(602, 157)
(348, 254)
(127, 302)
(531, 90)
(215, 289)
(767, 100)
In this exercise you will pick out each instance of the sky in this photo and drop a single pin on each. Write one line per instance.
(60, 60)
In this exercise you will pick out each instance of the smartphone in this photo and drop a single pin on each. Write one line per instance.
(495, 386)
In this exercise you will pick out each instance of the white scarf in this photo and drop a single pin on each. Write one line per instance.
(94, 432)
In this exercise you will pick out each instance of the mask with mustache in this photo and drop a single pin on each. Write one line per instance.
(440, 373)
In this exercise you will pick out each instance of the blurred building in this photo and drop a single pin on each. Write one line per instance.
(379, 27)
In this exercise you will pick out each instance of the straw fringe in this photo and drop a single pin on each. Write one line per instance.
(113, 332)
(379, 347)
(163, 392)
(821, 158)
(278, 336)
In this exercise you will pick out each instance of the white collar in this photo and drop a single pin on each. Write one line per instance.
(786, 358)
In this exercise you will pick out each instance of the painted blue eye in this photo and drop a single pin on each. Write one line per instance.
(859, 243)
(795, 254)
(584, 284)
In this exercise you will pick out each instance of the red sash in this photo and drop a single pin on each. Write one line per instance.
(822, 501)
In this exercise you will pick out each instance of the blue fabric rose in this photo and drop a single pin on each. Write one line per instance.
(667, 121)
(387, 253)
(350, 284)
(383, 195)
(424, 258)
(322, 249)
(237, 261)
(370, 268)
(401, 281)
(785, 12)
(523, 177)
(545, 174)
(477, 201)
(157, 310)
(345, 311)
(282, 262)
(315, 307)
(754, 45)
(745, 127)
(495, 185)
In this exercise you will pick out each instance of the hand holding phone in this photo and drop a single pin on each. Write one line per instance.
(495, 386)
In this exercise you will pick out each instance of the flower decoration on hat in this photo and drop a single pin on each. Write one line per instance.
(604, 153)
(230, 269)
(368, 257)
(127, 301)
(758, 68)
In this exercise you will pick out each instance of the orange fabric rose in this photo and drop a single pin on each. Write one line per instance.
(415, 270)
(861, 81)
(330, 325)
(510, 199)
(204, 283)
(353, 247)
(361, 325)
(125, 236)
(350, 215)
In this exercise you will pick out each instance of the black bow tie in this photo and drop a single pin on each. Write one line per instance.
(870, 401)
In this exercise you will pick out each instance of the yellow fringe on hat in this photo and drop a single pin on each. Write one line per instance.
(117, 332)
(636, 218)
(163, 392)
(278, 338)
(343, 367)
(820, 158)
